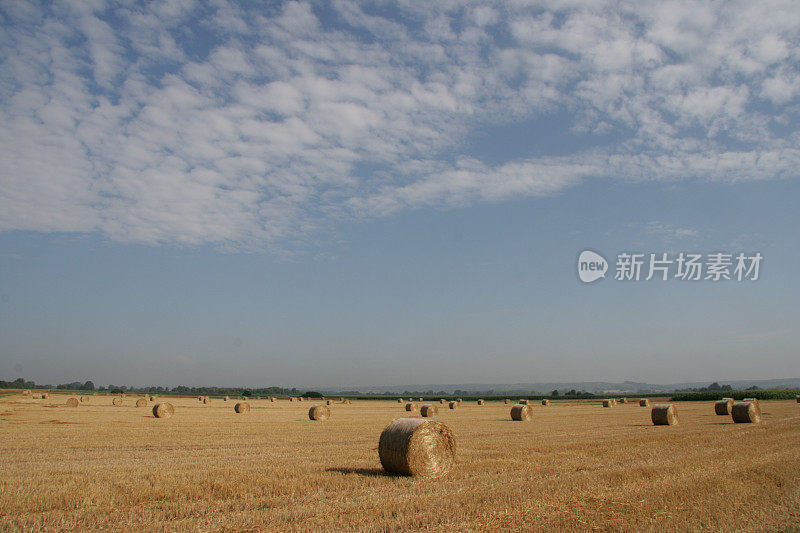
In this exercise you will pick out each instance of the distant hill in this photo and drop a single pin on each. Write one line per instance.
(588, 386)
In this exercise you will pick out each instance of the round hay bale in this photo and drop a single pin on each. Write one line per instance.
(644, 402)
(460, 400)
(798, 399)
(417, 447)
(72, 402)
(411, 406)
(399, 400)
(522, 413)
(152, 398)
(480, 402)
(206, 401)
(664, 414)
(199, 398)
(292, 400)
(163, 410)
(347, 401)
(623, 400)
(319, 412)
(273, 399)
(241, 407)
(421, 399)
(723, 407)
(328, 402)
(141, 402)
(506, 401)
(26, 392)
(608, 403)
(454, 405)
(36, 396)
(84, 399)
(226, 398)
(117, 401)
(301, 399)
(45, 396)
(746, 412)
(428, 410)
(442, 401)
(523, 402)
(545, 402)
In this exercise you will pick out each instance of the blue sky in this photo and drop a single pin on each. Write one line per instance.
(376, 194)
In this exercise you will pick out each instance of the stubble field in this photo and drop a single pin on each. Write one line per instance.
(577, 466)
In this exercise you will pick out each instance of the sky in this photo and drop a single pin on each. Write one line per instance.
(380, 193)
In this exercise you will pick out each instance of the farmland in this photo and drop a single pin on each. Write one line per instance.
(576, 466)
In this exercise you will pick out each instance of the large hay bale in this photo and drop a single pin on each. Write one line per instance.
(608, 403)
(545, 402)
(329, 402)
(506, 401)
(454, 405)
(84, 399)
(421, 399)
(400, 400)
(442, 401)
(206, 401)
(522, 413)
(417, 447)
(480, 402)
(746, 412)
(523, 402)
(411, 406)
(798, 399)
(319, 412)
(623, 400)
(460, 400)
(273, 399)
(117, 401)
(723, 407)
(152, 398)
(292, 400)
(72, 402)
(347, 401)
(644, 402)
(199, 398)
(301, 399)
(45, 396)
(163, 410)
(428, 410)
(141, 402)
(226, 398)
(26, 392)
(664, 414)
(241, 407)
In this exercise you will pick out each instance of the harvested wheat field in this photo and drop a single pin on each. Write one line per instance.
(576, 466)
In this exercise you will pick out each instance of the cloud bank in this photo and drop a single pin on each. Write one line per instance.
(203, 123)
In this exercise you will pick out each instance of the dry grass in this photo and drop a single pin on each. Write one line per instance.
(575, 467)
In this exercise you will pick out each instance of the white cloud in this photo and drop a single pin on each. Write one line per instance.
(184, 123)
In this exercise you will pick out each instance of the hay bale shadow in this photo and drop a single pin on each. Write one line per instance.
(366, 472)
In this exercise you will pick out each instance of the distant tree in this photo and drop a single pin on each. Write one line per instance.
(116, 390)
(88, 386)
(554, 393)
(754, 387)
(312, 394)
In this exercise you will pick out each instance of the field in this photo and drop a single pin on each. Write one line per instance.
(577, 466)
